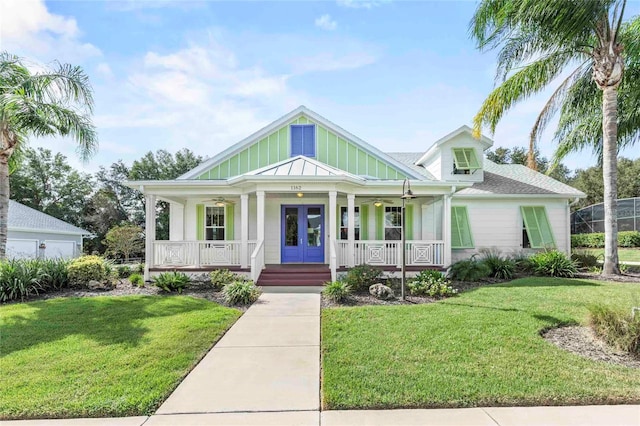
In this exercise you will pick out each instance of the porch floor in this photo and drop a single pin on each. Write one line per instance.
(193, 268)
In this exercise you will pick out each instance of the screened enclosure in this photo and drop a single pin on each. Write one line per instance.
(591, 218)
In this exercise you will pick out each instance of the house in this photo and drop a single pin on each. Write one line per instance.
(303, 190)
(33, 234)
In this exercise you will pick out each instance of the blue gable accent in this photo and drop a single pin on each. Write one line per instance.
(303, 140)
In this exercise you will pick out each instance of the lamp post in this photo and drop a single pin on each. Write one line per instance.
(407, 194)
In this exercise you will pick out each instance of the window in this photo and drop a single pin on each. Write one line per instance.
(214, 223)
(392, 223)
(460, 228)
(303, 140)
(464, 161)
(344, 223)
(536, 232)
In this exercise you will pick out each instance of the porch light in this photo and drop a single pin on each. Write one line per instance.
(377, 203)
(407, 194)
(220, 204)
(300, 194)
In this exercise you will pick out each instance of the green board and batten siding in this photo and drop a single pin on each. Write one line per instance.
(331, 149)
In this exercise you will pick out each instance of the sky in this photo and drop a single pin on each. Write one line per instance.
(203, 75)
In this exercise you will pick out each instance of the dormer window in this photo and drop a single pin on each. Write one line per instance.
(465, 161)
(303, 140)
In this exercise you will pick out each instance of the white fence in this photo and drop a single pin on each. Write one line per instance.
(200, 253)
(387, 253)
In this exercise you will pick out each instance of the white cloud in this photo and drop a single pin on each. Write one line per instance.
(104, 70)
(28, 27)
(326, 23)
(331, 62)
(362, 4)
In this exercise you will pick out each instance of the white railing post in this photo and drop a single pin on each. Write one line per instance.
(149, 234)
(244, 230)
(333, 260)
(351, 224)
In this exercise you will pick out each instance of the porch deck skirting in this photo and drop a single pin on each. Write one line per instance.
(231, 253)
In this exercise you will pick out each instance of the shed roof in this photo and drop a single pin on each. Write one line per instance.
(22, 217)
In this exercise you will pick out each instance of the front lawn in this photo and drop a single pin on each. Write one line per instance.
(482, 348)
(101, 356)
(625, 254)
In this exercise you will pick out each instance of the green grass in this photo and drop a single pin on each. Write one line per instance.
(480, 348)
(624, 254)
(101, 356)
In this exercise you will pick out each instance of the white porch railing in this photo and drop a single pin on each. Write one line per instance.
(387, 253)
(257, 261)
(333, 259)
(198, 253)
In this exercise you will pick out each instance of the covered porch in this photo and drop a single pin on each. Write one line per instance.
(261, 226)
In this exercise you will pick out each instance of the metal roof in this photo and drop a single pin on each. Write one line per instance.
(300, 166)
(23, 218)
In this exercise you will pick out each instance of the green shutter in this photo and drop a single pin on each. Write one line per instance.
(460, 228)
(200, 221)
(364, 222)
(379, 222)
(537, 226)
(228, 222)
(408, 228)
(465, 159)
(337, 222)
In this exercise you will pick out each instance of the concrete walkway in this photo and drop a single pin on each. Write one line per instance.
(266, 371)
(268, 363)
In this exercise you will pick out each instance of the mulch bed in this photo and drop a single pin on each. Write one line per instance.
(125, 288)
(582, 341)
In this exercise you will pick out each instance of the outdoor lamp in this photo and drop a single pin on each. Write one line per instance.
(407, 194)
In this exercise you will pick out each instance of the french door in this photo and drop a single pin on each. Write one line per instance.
(302, 234)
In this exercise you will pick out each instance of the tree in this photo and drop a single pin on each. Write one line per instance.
(590, 182)
(125, 240)
(46, 182)
(538, 41)
(53, 102)
(162, 165)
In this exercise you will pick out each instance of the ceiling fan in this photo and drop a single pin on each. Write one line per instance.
(379, 201)
(221, 201)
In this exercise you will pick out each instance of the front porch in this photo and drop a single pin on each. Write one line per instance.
(246, 227)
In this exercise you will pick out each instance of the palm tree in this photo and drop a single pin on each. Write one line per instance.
(541, 40)
(56, 101)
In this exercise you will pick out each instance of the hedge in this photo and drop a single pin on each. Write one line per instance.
(596, 240)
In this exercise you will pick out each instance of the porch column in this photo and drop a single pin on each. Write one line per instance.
(260, 216)
(244, 231)
(149, 234)
(446, 229)
(351, 223)
(333, 224)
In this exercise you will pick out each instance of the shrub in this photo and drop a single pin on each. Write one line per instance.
(139, 268)
(136, 279)
(431, 283)
(123, 271)
(220, 277)
(172, 281)
(240, 293)
(361, 277)
(20, 279)
(501, 267)
(553, 263)
(521, 261)
(617, 328)
(586, 259)
(56, 273)
(88, 268)
(338, 291)
(469, 270)
(596, 239)
(629, 239)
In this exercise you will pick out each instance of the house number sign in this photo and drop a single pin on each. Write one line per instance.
(296, 187)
